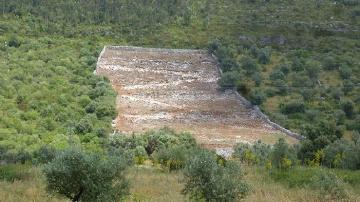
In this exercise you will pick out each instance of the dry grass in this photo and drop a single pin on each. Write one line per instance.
(265, 189)
(30, 189)
(152, 184)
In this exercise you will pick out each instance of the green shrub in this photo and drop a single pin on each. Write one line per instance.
(297, 65)
(252, 154)
(345, 72)
(14, 42)
(330, 63)
(249, 65)
(165, 138)
(348, 108)
(173, 158)
(84, 126)
(228, 80)
(342, 154)
(293, 107)
(140, 155)
(208, 181)
(228, 65)
(87, 177)
(264, 56)
(257, 97)
(328, 184)
(45, 154)
(277, 74)
(282, 155)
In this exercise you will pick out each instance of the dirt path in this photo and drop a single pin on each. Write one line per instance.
(178, 89)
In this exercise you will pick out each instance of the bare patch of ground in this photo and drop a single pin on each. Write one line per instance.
(178, 89)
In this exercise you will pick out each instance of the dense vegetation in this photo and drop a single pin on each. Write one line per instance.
(298, 60)
(83, 175)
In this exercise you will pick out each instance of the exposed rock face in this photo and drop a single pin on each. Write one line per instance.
(178, 89)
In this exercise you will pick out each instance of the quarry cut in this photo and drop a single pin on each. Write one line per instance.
(178, 89)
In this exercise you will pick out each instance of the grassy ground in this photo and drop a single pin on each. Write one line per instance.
(150, 184)
(31, 188)
(153, 184)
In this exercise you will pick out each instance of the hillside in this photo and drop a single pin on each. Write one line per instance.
(299, 61)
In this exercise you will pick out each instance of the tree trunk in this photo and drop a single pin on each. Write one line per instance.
(77, 196)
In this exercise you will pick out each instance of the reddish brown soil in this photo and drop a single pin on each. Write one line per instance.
(178, 89)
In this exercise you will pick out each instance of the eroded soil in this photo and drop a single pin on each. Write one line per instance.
(178, 89)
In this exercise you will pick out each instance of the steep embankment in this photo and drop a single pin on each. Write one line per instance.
(178, 89)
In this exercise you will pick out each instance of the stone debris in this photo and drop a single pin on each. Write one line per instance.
(178, 89)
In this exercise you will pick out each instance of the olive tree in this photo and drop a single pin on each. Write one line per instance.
(82, 176)
(206, 180)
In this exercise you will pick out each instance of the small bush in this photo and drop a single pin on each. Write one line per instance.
(252, 154)
(257, 97)
(173, 158)
(328, 184)
(348, 108)
(14, 42)
(293, 107)
(249, 65)
(45, 154)
(264, 56)
(228, 80)
(206, 180)
(282, 155)
(277, 74)
(330, 63)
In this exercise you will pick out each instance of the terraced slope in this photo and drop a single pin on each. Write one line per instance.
(178, 89)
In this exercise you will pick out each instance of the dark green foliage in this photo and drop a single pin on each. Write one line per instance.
(257, 97)
(228, 64)
(297, 64)
(345, 72)
(343, 154)
(348, 108)
(293, 107)
(330, 63)
(84, 126)
(249, 65)
(257, 79)
(348, 86)
(14, 42)
(318, 136)
(206, 180)
(264, 56)
(45, 154)
(282, 155)
(313, 69)
(87, 177)
(228, 80)
(277, 74)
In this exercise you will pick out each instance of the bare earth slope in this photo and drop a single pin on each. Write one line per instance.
(178, 89)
